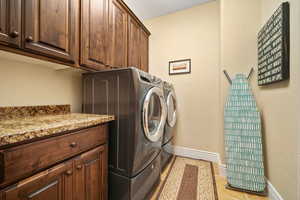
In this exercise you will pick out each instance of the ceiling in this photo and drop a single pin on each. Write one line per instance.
(146, 9)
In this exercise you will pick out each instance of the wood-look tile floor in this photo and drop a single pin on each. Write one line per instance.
(223, 193)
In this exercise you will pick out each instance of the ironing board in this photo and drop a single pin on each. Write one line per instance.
(243, 142)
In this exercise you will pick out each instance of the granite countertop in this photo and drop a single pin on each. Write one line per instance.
(19, 129)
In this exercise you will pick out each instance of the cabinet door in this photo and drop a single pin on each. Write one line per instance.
(10, 22)
(118, 35)
(51, 27)
(90, 176)
(133, 43)
(144, 50)
(53, 184)
(94, 31)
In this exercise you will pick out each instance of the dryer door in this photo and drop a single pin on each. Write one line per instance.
(154, 114)
(172, 109)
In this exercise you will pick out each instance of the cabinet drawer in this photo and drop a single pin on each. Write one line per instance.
(24, 160)
(55, 183)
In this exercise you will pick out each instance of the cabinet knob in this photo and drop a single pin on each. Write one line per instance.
(14, 34)
(69, 172)
(73, 144)
(79, 167)
(29, 39)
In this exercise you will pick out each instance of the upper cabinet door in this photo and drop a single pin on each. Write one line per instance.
(144, 46)
(133, 43)
(53, 184)
(51, 27)
(90, 177)
(10, 22)
(94, 31)
(117, 35)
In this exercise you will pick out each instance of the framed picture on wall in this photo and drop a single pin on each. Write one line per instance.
(180, 67)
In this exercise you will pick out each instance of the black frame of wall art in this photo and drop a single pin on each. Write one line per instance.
(176, 61)
(274, 47)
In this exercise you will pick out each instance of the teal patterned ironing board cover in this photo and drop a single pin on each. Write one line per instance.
(243, 142)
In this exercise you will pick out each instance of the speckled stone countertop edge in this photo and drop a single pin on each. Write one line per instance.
(31, 111)
(44, 132)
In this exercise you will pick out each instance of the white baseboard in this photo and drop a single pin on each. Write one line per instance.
(222, 170)
(195, 154)
(273, 194)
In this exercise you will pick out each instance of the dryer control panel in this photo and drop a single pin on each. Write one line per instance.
(148, 77)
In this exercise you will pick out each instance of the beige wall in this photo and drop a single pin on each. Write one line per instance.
(193, 33)
(280, 106)
(26, 81)
(240, 23)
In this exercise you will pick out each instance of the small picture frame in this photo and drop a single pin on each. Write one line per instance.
(180, 67)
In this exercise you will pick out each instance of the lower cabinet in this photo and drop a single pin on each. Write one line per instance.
(81, 178)
(90, 175)
(53, 184)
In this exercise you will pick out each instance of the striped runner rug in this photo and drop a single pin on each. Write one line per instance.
(189, 179)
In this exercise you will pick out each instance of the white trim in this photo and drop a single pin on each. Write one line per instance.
(273, 194)
(222, 170)
(195, 154)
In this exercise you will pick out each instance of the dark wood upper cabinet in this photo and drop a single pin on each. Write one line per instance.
(10, 22)
(94, 33)
(128, 39)
(90, 175)
(117, 35)
(53, 184)
(144, 50)
(91, 34)
(51, 27)
(133, 43)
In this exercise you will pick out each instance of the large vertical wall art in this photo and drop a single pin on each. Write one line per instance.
(274, 47)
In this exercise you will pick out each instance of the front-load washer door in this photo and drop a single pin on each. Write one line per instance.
(172, 109)
(154, 114)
